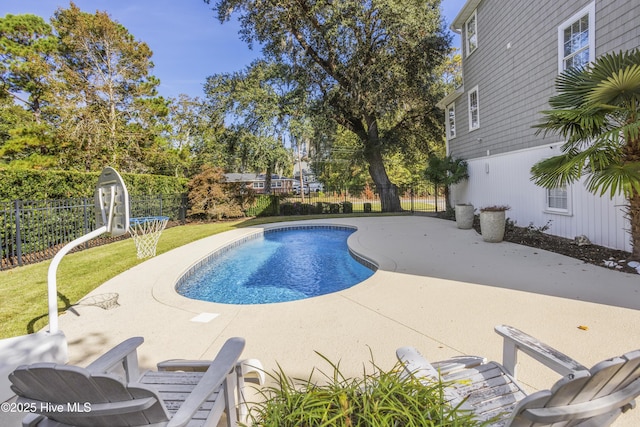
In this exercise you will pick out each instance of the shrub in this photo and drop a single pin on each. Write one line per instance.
(264, 205)
(289, 208)
(495, 208)
(368, 192)
(211, 197)
(378, 399)
(26, 184)
(307, 209)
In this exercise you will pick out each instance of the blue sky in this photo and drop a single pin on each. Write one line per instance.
(188, 42)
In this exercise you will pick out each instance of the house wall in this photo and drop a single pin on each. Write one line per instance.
(514, 69)
(516, 63)
(498, 180)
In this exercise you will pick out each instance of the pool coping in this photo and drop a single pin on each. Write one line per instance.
(221, 250)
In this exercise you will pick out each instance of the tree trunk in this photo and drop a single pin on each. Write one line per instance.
(634, 219)
(632, 155)
(447, 199)
(388, 191)
(267, 180)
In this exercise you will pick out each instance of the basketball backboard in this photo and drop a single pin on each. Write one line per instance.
(112, 203)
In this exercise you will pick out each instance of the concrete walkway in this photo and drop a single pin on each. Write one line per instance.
(438, 288)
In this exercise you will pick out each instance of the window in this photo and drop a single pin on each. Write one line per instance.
(258, 184)
(576, 39)
(558, 200)
(474, 109)
(471, 33)
(451, 121)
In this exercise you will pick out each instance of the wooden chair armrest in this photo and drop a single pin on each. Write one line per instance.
(124, 356)
(515, 339)
(250, 370)
(211, 381)
(184, 365)
(247, 370)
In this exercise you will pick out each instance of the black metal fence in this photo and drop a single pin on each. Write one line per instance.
(34, 230)
(415, 198)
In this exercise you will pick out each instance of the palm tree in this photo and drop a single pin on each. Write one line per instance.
(443, 172)
(597, 111)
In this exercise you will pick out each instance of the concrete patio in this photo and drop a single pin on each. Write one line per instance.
(438, 288)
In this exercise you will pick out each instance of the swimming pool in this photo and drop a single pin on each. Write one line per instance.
(278, 265)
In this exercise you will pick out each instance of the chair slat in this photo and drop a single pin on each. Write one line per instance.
(627, 373)
(601, 375)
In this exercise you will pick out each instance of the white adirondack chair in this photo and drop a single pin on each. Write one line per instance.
(583, 397)
(111, 391)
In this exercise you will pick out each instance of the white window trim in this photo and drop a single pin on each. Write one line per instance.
(449, 133)
(475, 89)
(473, 16)
(591, 11)
(557, 211)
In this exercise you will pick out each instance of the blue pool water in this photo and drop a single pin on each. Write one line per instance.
(280, 265)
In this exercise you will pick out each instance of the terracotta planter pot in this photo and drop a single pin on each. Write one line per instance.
(464, 216)
(492, 225)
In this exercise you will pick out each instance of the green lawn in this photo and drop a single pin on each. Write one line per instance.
(23, 290)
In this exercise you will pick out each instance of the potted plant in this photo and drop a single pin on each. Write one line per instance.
(492, 223)
(464, 215)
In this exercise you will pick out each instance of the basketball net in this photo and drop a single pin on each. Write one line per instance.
(146, 232)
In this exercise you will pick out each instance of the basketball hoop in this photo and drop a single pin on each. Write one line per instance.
(145, 232)
(111, 205)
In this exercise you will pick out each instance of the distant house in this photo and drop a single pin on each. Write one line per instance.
(279, 184)
(512, 52)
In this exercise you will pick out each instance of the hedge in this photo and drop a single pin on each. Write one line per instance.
(26, 184)
(264, 205)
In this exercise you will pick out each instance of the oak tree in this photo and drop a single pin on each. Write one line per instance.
(370, 65)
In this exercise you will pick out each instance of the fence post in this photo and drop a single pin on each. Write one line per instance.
(412, 193)
(86, 220)
(18, 234)
(182, 210)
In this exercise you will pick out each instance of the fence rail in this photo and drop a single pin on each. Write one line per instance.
(416, 198)
(33, 231)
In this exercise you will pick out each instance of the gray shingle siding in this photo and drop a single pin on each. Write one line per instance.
(617, 25)
(516, 63)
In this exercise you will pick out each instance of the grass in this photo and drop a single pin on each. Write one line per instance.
(378, 398)
(23, 290)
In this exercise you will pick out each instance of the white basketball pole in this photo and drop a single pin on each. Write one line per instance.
(53, 268)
